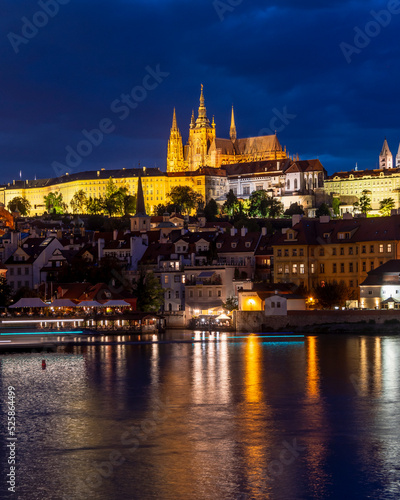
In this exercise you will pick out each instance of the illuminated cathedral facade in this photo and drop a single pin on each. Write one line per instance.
(204, 148)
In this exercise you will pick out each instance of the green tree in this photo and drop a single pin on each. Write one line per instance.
(19, 203)
(231, 303)
(129, 204)
(211, 210)
(336, 205)
(5, 292)
(54, 203)
(79, 202)
(275, 208)
(148, 291)
(364, 203)
(323, 210)
(294, 209)
(95, 206)
(386, 206)
(185, 198)
(259, 203)
(232, 206)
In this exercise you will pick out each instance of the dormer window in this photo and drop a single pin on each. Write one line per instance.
(219, 245)
(233, 245)
(247, 244)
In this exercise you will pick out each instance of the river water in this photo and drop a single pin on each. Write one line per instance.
(237, 417)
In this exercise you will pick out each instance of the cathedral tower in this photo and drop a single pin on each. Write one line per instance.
(200, 137)
(232, 131)
(386, 157)
(175, 162)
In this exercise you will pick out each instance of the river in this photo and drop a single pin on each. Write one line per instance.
(235, 417)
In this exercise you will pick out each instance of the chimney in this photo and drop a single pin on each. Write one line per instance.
(115, 234)
(296, 219)
(243, 231)
(264, 231)
(233, 231)
(347, 215)
(192, 259)
(324, 219)
(182, 231)
(100, 247)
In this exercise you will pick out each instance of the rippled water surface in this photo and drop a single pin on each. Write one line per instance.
(235, 418)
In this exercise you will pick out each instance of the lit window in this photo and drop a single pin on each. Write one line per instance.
(381, 248)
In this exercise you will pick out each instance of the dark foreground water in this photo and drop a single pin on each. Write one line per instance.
(240, 418)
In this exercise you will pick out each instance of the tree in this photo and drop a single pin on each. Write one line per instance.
(5, 292)
(129, 204)
(323, 210)
(148, 291)
(335, 205)
(364, 203)
(231, 303)
(185, 197)
(232, 205)
(275, 208)
(259, 203)
(79, 202)
(332, 294)
(19, 203)
(54, 203)
(95, 206)
(386, 206)
(211, 210)
(294, 209)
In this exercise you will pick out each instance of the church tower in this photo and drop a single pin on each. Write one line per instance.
(140, 221)
(201, 136)
(232, 130)
(386, 157)
(398, 158)
(175, 162)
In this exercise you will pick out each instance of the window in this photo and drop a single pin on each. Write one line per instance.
(166, 279)
(351, 284)
(363, 249)
(200, 293)
(272, 304)
(11, 271)
(279, 253)
(183, 278)
(177, 294)
(312, 268)
(371, 249)
(389, 247)
(333, 251)
(364, 266)
(278, 305)
(199, 182)
(371, 265)
(321, 252)
(381, 248)
(286, 252)
(286, 268)
(294, 269)
(27, 270)
(350, 250)
(341, 251)
(210, 293)
(322, 268)
(290, 236)
(342, 267)
(219, 293)
(301, 268)
(259, 187)
(334, 267)
(190, 293)
(177, 279)
(301, 252)
(246, 190)
(312, 252)
(369, 292)
(351, 267)
(18, 271)
(294, 252)
(280, 269)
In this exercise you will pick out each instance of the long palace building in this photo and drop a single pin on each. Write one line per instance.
(208, 164)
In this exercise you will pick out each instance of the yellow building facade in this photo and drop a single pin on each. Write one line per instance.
(156, 186)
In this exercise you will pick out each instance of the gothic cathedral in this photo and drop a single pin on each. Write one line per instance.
(205, 149)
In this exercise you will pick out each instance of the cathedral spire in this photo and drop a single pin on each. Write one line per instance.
(386, 157)
(202, 120)
(192, 121)
(174, 122)
(232, 131)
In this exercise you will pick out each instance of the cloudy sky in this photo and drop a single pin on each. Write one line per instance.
(325, 75)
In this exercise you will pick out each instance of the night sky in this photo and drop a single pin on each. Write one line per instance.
(268, 59)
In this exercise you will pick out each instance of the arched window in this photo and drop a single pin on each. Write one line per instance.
(295, 184)
(288, 185)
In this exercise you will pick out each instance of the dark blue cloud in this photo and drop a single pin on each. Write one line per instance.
(262, 58)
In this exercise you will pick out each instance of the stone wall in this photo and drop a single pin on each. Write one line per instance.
(257, 321)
